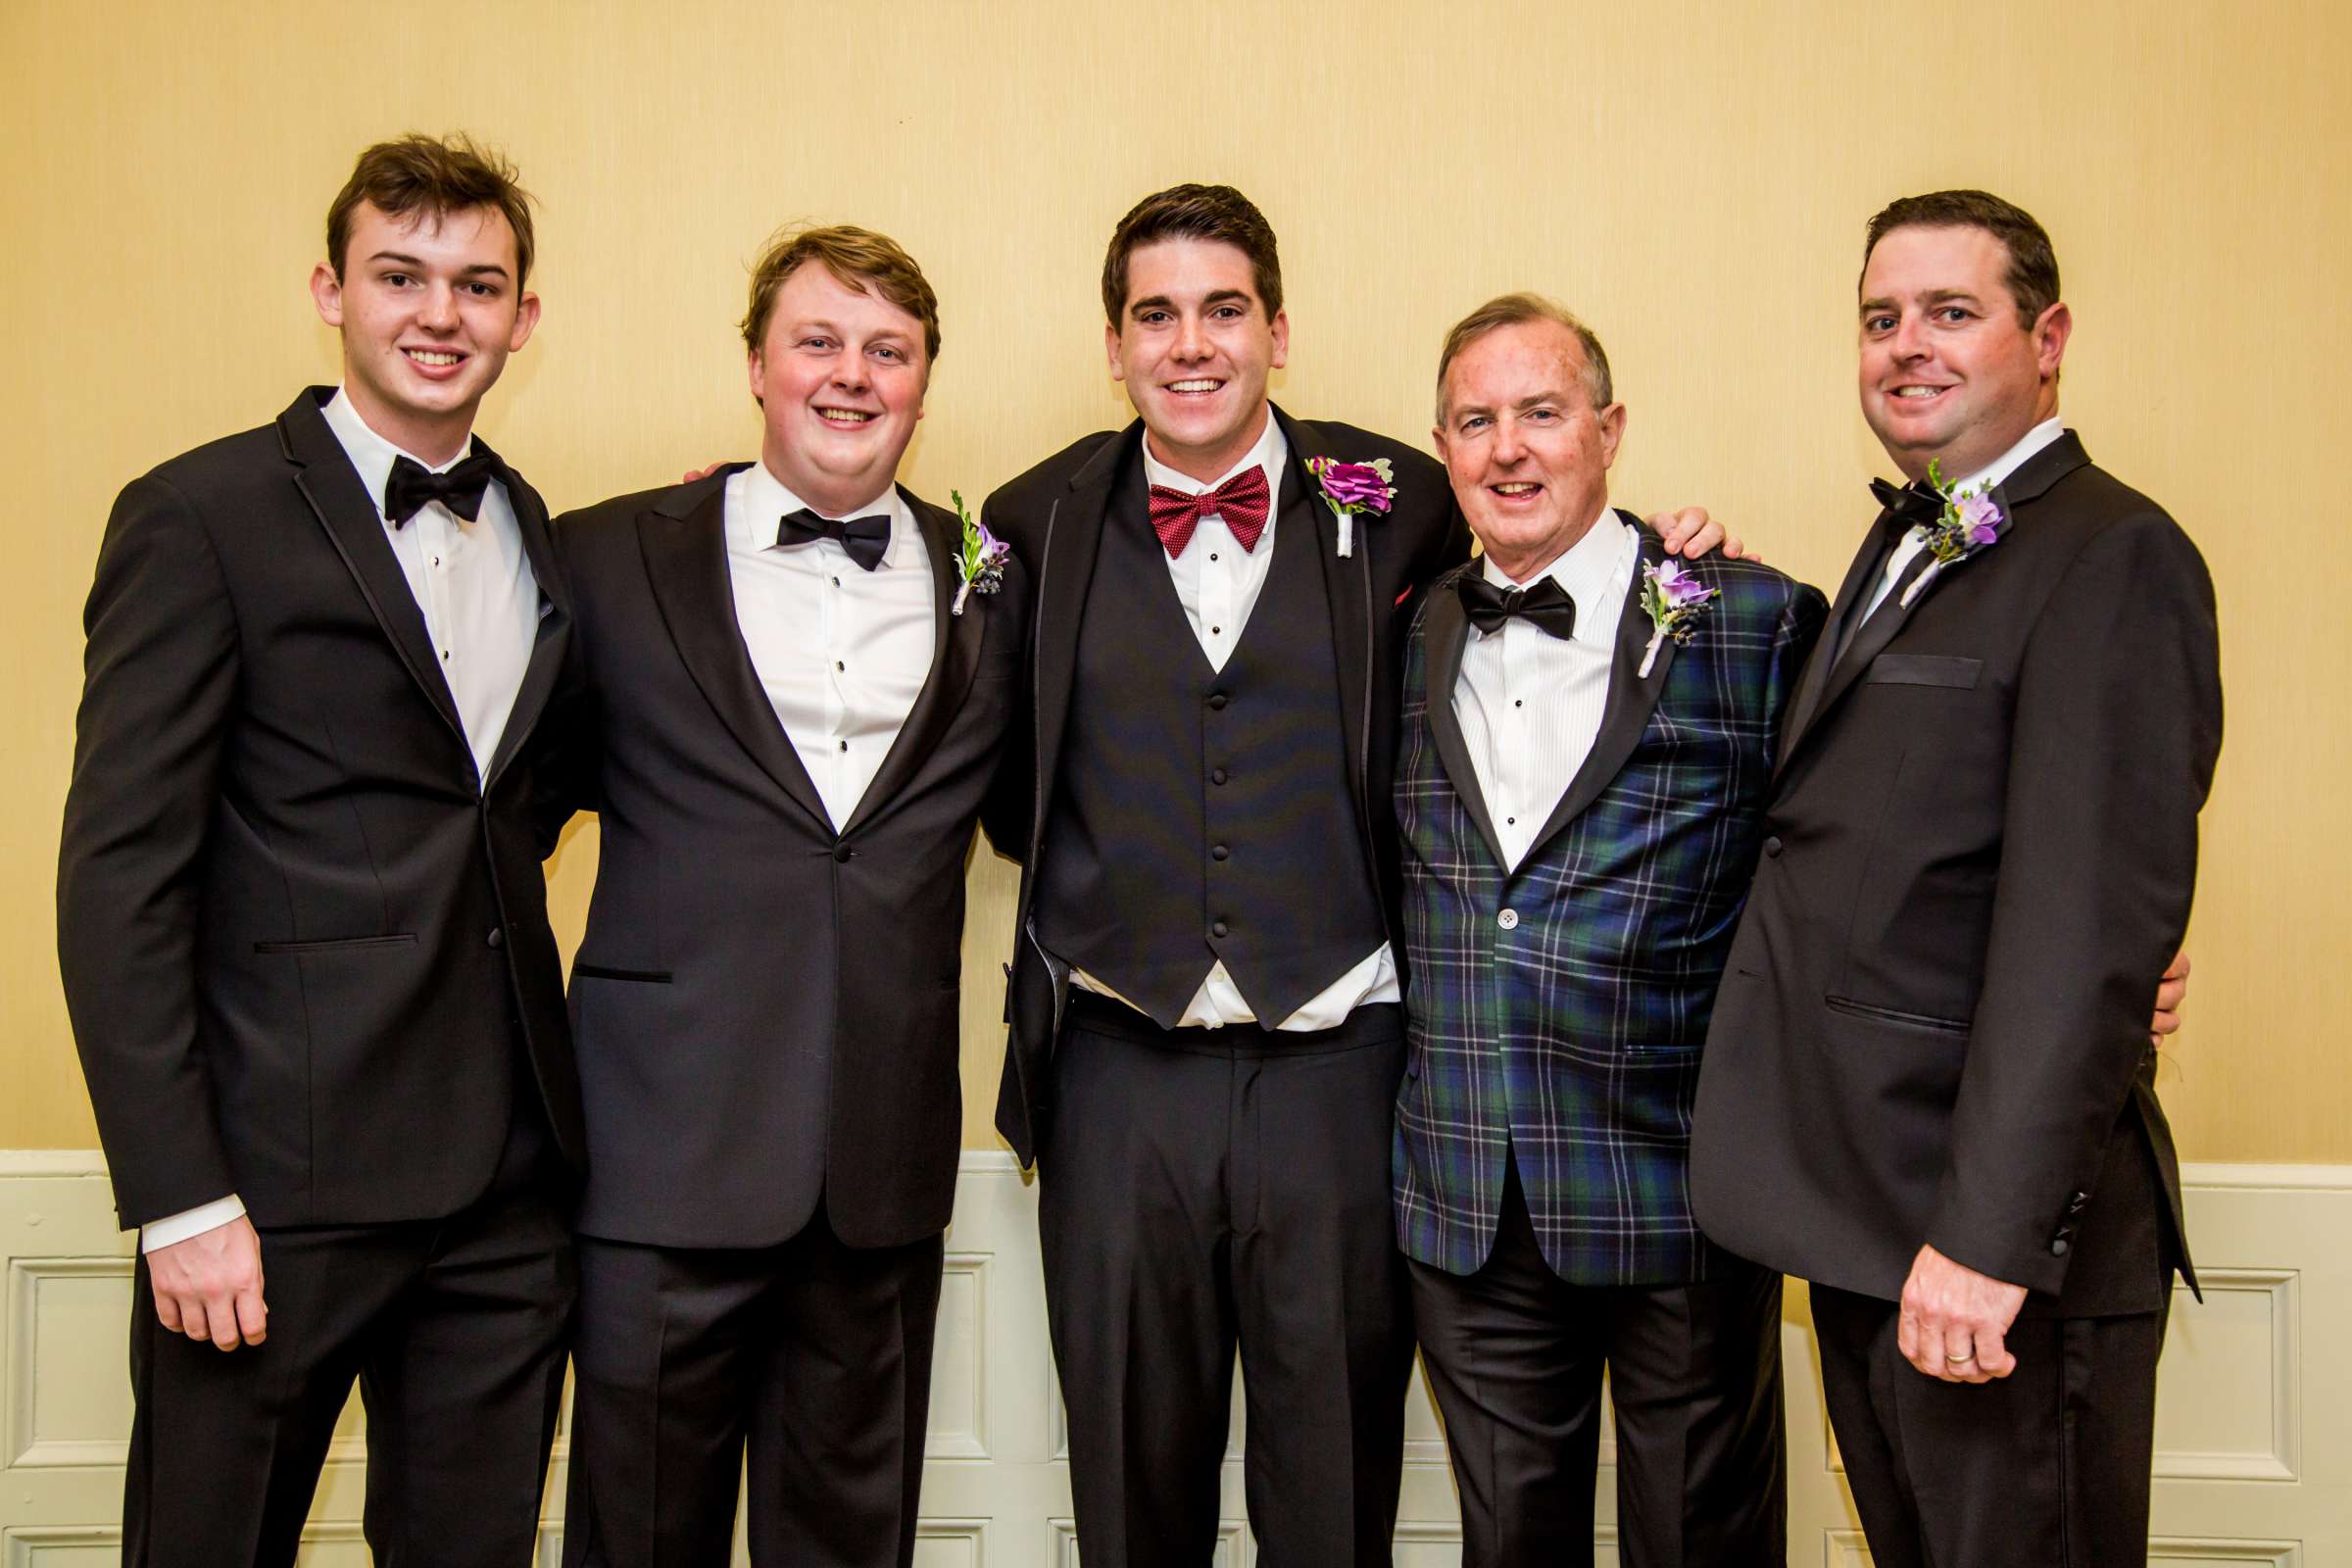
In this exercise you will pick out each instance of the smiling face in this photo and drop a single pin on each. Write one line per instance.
(1947, 370)
(840, 374)
(1527, 452)
(1194, 347)
(430, 307)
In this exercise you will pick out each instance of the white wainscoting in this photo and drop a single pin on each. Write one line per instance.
(2254, 1417)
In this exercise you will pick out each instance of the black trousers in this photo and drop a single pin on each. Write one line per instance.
(1204, 1188)
(814, 1356)
(2048, 1465)
(1514, 1354)
(455, 1330)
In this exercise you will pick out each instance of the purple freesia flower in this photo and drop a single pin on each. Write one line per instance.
(1678, 587)
(1979, 519)
(992, 548)
(1353, 484)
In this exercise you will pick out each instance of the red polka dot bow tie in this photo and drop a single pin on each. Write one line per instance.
(1242, 501)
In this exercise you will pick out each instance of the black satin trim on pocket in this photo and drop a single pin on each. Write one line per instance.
(398, 939)
(1925, 670)
(1909, 1020)
(643, 977)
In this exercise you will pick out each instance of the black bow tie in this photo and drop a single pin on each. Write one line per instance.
(413, 487)
(1547, 605)
(867, 538)
(1915, 506)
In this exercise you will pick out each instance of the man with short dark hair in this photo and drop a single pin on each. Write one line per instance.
(1206, 1036)
(795, 678)
(1588, 739)
(301, 924)
(1928, 1084)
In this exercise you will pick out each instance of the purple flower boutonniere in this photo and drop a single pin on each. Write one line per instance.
(1674, 598)
(1971, 523)
(1353, 487)
(980, 563)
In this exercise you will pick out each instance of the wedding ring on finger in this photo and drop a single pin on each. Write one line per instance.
(1963, 1359)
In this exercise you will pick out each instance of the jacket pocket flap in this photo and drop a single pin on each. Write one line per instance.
(1925, 670)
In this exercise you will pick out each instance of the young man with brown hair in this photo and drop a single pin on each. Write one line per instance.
(1205, 1035)
(794, 683)
(301, 924)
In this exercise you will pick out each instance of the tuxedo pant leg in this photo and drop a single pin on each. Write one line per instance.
(462, 1383)
(1132, 1217)
(1514, 1356)
(836, 1443)
(2047, 1465)
(664, 1373)
(1322, 1301)
(1694, 1377)
(225, 1447)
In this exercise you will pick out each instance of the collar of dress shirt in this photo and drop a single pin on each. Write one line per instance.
(2009, 462)
(370, 454)
(1270, 453)
(1586, 569)
(764, 501)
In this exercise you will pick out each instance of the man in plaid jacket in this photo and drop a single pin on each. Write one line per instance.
(1587, 738)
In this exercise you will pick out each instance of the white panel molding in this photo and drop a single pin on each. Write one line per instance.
(2279, 1376)
(28, 1448)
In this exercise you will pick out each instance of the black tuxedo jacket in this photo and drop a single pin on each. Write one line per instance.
(304, 949)
(766, 1009)
(1053, 518)
(1980, 852)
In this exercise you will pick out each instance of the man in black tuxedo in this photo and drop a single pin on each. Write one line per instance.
(301, 924)
(790, 707)
(1205, 1035)
(1928, 1086)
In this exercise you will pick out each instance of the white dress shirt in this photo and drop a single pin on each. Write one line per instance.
(473, 582)
(1529, 704)
(1982, 482)
(841, 651)
(1218, 582)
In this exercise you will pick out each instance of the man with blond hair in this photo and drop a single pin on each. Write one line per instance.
(792, 681)
(1586, 744)
(301, 924)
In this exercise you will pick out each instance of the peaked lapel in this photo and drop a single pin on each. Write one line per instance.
(1868, 563)
(555, 617)
(683, 538)
(955, 658)
(1631, 698)
(1347, 587)
(2039, 472)
(347, 512)
(1445, 633)
(1064, 572)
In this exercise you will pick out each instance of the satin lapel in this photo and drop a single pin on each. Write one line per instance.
(1631, 701)
(554, 620)
(954, 658)
(684, 542)
(348, 514)
(1347, 586)
(1869, 561)
(1073, 541)
(1445, 632)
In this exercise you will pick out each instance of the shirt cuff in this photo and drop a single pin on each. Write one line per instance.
(174, 1229)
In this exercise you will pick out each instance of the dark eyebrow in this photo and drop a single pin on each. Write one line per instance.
(402, 259)
(1223, 296)
(1936, 296)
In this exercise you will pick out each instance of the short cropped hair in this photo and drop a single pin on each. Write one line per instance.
(862, 259)
(432, 174)
(2031, 277)
(1516, 310)
(1216, 212)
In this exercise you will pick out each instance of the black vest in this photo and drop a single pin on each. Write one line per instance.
(1204, 815)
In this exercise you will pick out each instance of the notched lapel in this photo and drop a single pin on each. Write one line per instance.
(1445, 633)
(1073, 543)
(955, 660)
(331, 486)
(1347, 586)
(1632, 698)
(684, 543)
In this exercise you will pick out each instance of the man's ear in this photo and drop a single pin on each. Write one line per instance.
(1111, 352)
(526, 318)
(326, 292)
(2050, 332)
(1282, 340)
(1611, 421)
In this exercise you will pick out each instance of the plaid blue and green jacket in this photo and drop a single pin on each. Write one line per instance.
(1558, 1011)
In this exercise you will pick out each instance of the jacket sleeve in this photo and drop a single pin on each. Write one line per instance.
(2117, 724)
(160, 678)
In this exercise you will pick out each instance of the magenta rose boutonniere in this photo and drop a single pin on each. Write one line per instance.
(1353, 487)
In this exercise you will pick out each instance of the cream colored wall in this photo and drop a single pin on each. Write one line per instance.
(1692, 178)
